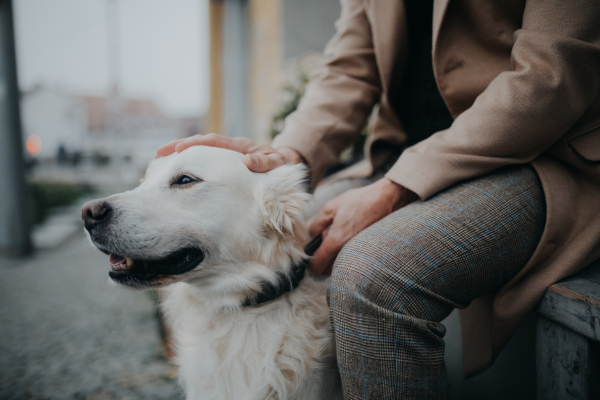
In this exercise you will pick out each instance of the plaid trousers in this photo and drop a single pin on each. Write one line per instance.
(395, 281)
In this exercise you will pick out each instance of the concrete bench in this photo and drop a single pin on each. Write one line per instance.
(568, 338)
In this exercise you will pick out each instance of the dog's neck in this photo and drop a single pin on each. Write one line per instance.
(285, 283)
(256, 283)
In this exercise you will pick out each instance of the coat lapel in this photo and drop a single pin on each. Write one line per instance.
(439, 11)
(389, 36)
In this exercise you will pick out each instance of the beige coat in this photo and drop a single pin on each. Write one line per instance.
(522, 79)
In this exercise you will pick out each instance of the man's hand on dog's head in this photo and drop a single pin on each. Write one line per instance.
(258, 157)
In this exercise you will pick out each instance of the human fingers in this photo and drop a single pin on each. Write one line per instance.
(168, 148)
(323, 259)
(241, 145)
(323, 219)
(263, 162)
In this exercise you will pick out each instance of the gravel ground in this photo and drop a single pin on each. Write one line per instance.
(65, 333)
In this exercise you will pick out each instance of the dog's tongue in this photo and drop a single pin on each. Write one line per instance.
(115, 260)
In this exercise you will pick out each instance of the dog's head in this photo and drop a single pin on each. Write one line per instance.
(201, 216)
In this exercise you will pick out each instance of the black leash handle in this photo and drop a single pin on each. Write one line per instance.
(313, 245)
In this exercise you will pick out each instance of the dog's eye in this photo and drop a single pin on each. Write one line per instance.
(183, 180)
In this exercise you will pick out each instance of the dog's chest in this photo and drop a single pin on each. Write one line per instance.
(254, 354)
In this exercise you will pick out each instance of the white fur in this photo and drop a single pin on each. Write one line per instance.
(250, 226)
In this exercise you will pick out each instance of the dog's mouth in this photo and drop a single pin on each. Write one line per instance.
(132, 272)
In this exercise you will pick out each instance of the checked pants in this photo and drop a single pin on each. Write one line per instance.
(395, 281)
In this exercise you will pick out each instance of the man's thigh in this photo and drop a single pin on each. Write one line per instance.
(460, 244)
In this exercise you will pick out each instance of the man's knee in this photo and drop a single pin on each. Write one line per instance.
(364, 273)
(386, 272)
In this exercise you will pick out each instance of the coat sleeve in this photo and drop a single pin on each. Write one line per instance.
(340, 96)
(554, 78)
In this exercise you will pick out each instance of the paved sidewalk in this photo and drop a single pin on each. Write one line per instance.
(67, 334)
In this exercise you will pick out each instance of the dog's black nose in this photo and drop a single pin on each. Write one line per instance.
(95, 212)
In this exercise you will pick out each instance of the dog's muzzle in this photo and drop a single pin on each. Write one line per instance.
(97, 215)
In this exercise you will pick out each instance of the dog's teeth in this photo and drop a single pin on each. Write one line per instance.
(128, 261)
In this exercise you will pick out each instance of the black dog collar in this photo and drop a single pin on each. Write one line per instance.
(285, 282)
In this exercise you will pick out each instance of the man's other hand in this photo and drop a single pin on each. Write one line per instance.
(350, 213)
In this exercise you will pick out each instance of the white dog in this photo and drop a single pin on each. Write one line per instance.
(229, 244)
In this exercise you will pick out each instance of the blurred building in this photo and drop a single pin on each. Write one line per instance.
(56, 118)
(71, 127)
(250, 43)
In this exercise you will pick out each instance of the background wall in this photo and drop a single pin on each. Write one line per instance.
(308, 25)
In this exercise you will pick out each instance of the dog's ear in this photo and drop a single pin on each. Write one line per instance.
(284, 197)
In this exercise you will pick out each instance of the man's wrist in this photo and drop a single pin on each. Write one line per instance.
(400, 196)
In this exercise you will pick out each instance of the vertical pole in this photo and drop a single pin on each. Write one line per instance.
(265, 54)
(15, 222)
(235, 68)
(215, 114)
(114, 101)
(114, 55)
